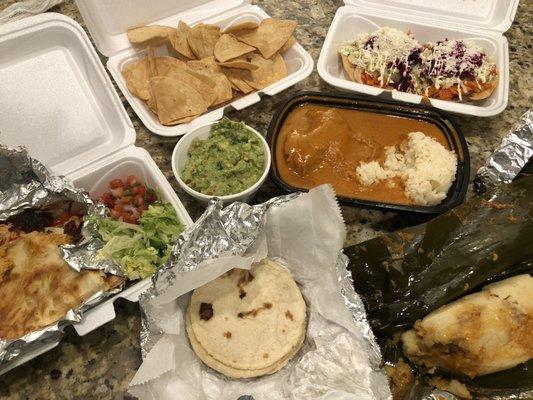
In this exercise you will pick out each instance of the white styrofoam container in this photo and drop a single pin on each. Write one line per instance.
(109, 21)
(57, 100)
(483, 22)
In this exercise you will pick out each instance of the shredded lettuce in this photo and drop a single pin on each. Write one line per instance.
(141, 249)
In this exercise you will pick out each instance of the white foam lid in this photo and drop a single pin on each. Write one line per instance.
(497, 15)
(108, 21)
(56, 98)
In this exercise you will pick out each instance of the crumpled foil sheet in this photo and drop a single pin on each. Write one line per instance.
(514, 152)
(233, 231)
(84, 254)
(26, 183)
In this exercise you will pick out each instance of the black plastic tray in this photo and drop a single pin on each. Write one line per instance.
(455, 138)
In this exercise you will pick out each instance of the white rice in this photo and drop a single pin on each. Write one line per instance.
(426, 167)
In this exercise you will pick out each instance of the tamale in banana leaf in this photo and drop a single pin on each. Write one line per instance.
(403, 276)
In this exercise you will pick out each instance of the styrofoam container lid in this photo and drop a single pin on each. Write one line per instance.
(56, 97)
(108, 21)
(497, 15)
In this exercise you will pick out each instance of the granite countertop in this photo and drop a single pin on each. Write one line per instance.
(102, 363)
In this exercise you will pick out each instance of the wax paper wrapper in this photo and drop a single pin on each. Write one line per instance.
(26, 183)
(305, 232)
(514, 152)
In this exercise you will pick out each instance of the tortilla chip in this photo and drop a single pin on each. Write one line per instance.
(202, 39)
(164, 64)
(187, 76)
(137, 75)
(175, 100)
(150, 55)
(238, 78)
(288, 44)
(205, 64)
(152, 104)
(269, 37)
(239, 64)
(179, 41)
(241, 26)
(269, 71)
(227, 48)
(210, 69)
(222, 88)
(153, 35)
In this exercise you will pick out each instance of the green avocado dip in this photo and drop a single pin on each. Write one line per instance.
(229, 161)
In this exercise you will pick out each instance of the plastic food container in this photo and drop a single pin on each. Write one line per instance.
(58, 101)
(483, 22)
(455, 138)
(179, 158)
(108, 22)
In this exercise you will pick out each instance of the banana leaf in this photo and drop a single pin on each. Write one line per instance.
(403, 276)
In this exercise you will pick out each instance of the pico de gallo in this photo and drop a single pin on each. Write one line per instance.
(140, 229)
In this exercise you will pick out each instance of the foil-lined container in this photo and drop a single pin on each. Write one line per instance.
(305, 232)
(26, 183)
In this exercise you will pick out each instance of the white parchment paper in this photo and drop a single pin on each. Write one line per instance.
(306, 235)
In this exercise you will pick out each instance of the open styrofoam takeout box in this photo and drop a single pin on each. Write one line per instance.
(57, 100)
(482, 21)
(108, 22)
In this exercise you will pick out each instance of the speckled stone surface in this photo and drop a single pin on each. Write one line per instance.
(101, 364)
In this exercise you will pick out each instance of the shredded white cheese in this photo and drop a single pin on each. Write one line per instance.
(375, 52)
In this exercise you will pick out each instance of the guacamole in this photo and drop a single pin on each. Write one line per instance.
(229, 161)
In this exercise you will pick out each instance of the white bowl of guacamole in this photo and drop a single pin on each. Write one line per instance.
(225, 159)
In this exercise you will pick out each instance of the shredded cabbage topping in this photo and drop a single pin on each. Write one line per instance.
(141, 249)
(396, 59)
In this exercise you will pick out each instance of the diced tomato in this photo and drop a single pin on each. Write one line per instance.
(139, 200)
(132, 180)
(116, 183)
(118, 192)
(108, 199)
(126, 199)
(139, 189)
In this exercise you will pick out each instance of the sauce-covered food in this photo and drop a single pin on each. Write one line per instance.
(353, 150)
(229, 161)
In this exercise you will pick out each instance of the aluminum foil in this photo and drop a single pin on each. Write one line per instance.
(514, 152)
(334, 361)
(84, 254)
(26, 183)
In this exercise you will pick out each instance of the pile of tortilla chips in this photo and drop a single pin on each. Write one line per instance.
(207, 67)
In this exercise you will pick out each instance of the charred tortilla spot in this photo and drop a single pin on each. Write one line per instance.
(265, 355)
(206, 311)
(245, 278)
(254, 312)
(227, 335)
(289, 315)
